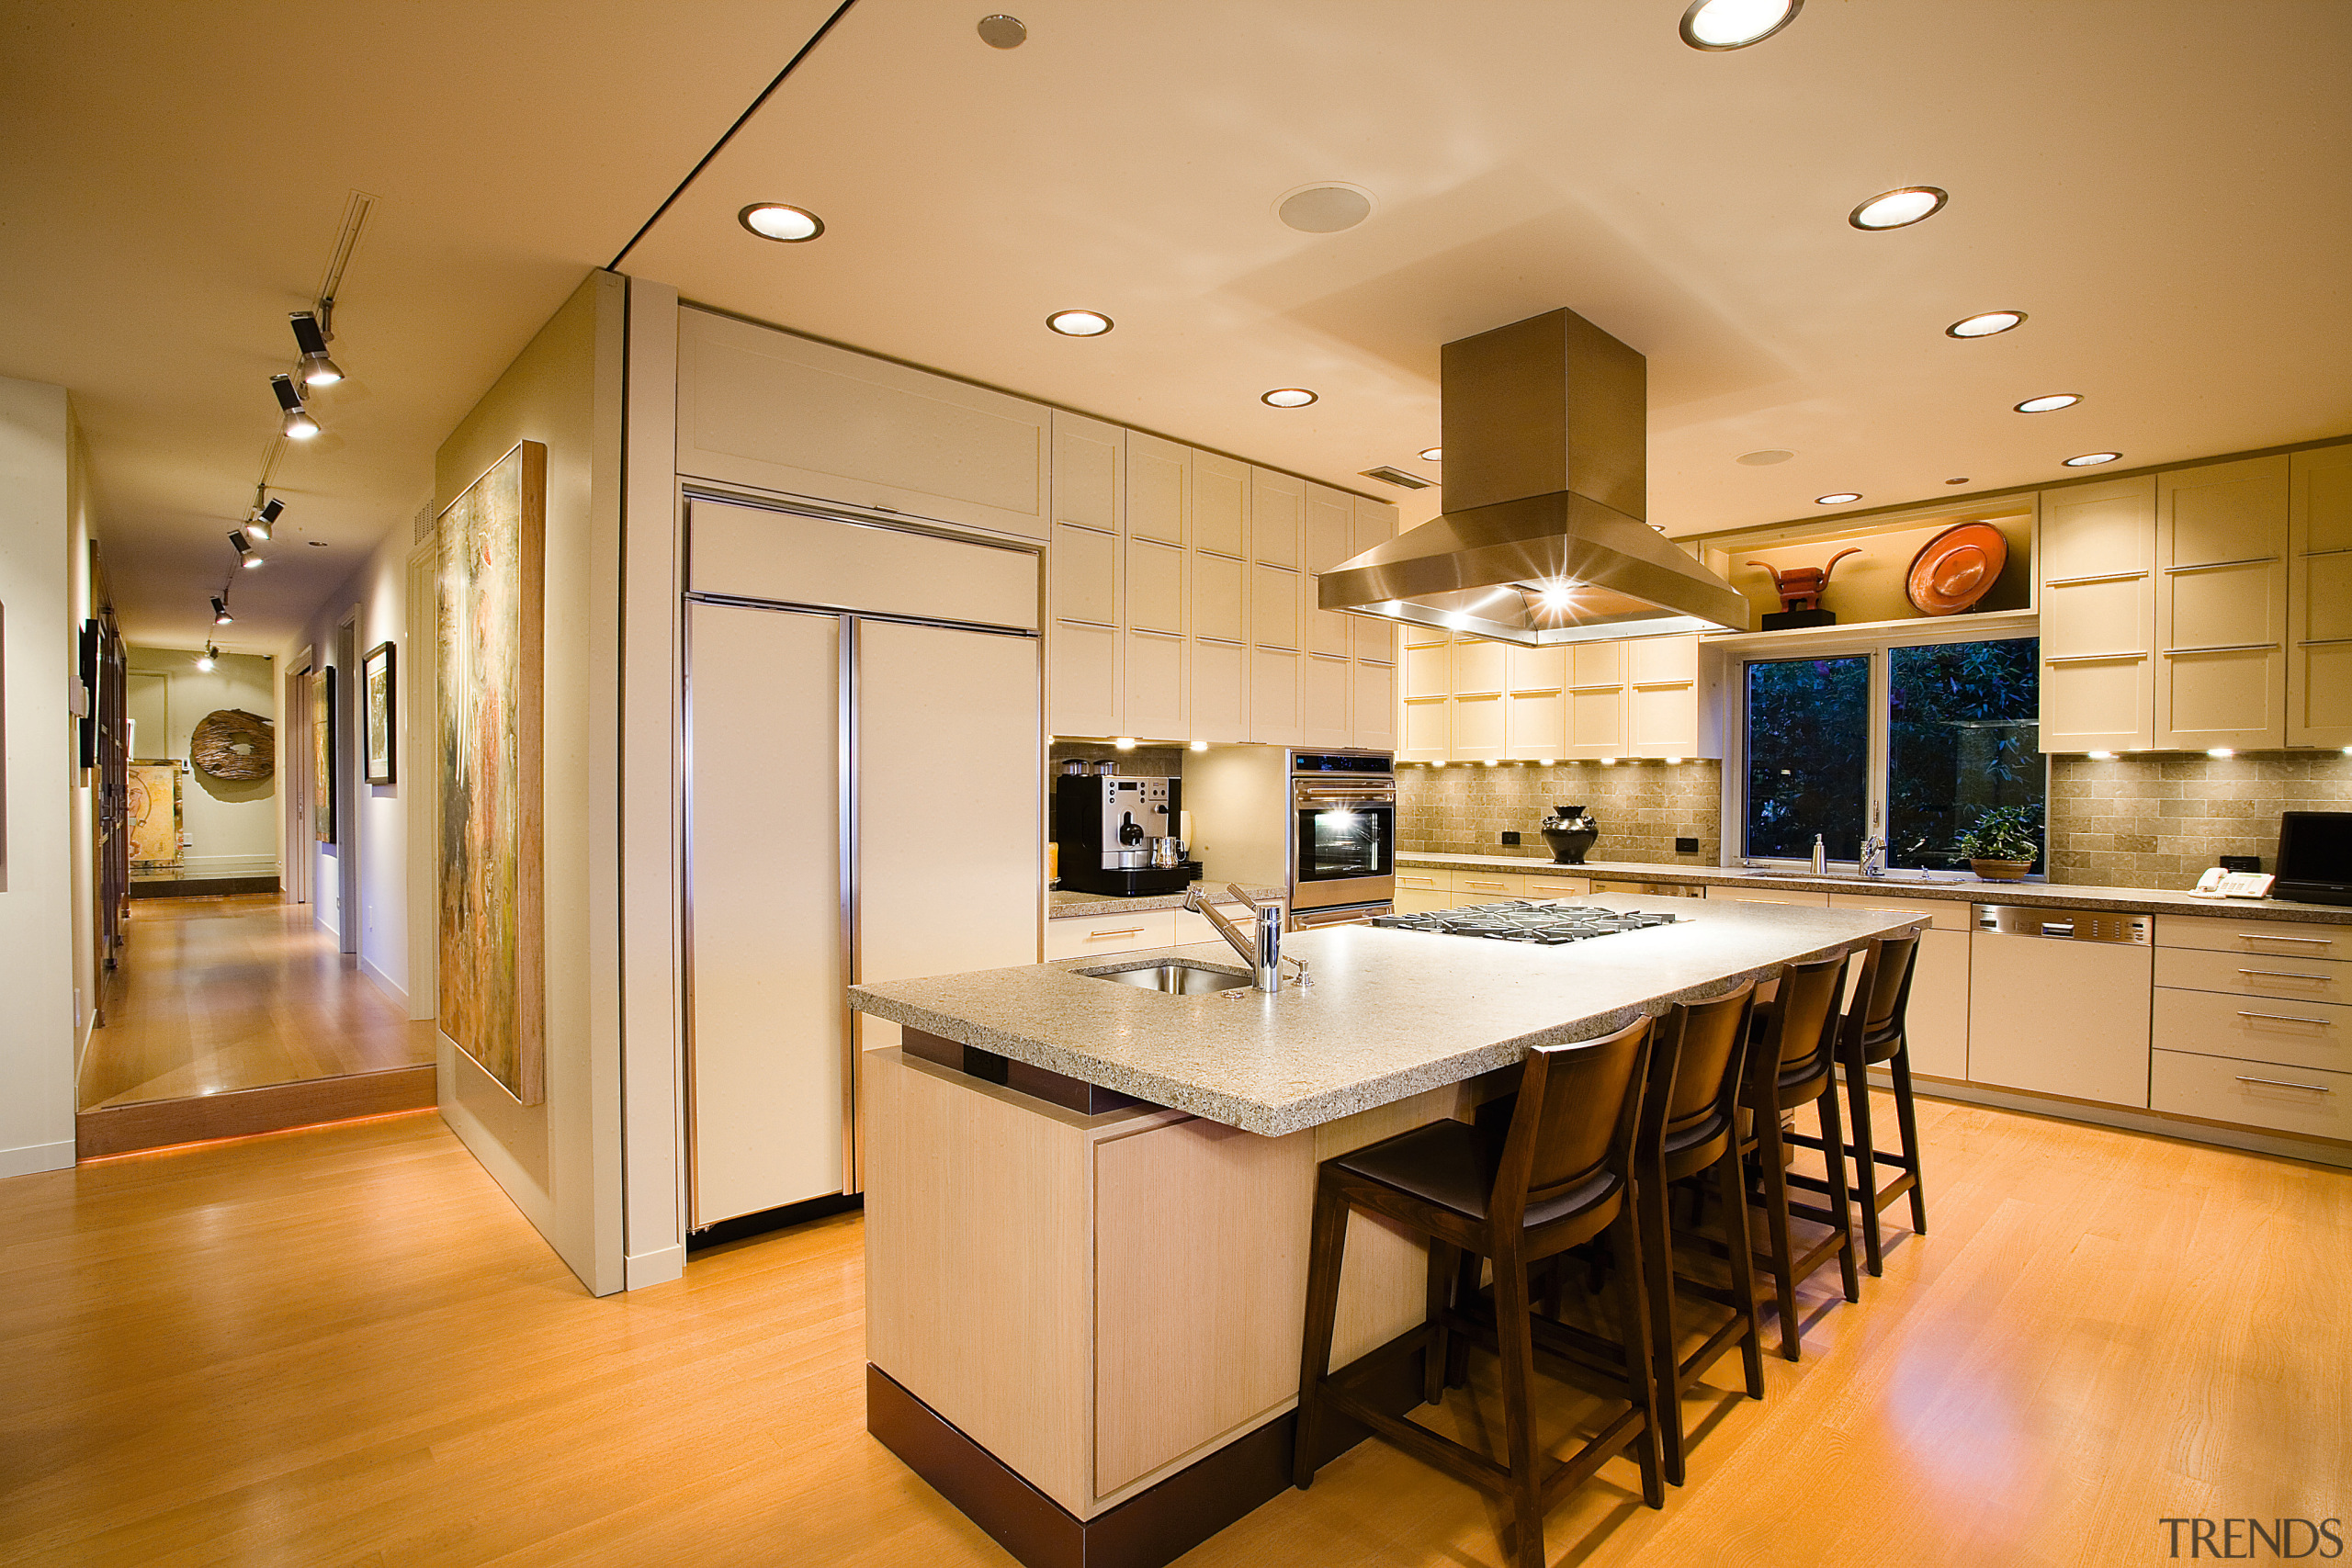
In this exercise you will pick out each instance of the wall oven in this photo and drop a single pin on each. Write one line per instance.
(1343, 835)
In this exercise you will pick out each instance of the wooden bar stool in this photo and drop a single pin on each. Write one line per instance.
(1558, 1176)
(1792, 1059)
(1874, 1032)
(1688, 1124)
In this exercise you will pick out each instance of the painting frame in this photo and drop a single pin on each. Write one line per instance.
(379, 701)
(489, 678)
(322, 739)
(140, 828)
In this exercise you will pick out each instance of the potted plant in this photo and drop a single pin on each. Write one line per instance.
(2002, 843)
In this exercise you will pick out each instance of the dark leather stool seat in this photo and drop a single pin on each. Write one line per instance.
(1558, 1175)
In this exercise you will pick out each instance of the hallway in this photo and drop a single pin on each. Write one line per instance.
(225, 996)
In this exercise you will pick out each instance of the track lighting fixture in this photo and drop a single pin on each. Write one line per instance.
(298, 424)
(265, 515)
(311, 335)
(244, 549)
(220, 616)
(205, 662)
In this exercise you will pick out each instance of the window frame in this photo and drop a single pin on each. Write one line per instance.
(1874, 646)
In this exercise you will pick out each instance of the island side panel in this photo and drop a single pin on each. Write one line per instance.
(979, 1266)
(1201, 1288)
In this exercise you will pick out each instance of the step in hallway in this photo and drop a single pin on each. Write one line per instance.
(343, 1346)
(228, 1016)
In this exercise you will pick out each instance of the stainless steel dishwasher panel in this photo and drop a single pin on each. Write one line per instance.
(2059, 1002)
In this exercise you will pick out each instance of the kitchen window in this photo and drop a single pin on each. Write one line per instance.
(1909, 742)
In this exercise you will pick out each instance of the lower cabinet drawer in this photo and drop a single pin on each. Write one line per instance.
(1423, 901)
(2254, 1029)
(1650, 889)
(1771, 895)
(1081, 936)
(1424, 882)
(1558, 886)
(1945, 915)
(2278, 939)
(1485, 886)
(2284, 1100)
(2280, 977)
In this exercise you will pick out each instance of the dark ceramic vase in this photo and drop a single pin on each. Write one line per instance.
(1570, 833)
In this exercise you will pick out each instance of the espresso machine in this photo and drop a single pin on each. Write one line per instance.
(1117, 835)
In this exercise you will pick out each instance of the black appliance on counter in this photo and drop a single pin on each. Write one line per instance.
(1104, 827)
(2314, 857)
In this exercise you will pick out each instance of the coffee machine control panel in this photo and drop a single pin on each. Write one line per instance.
(1135, 812)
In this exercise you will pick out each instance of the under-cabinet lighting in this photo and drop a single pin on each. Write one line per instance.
(1124, 743)
(1609, 761)
(2102, 756)
(1549, 763)
(1898, 209)
(1671, 761)
(1200, 745)
(2219, 751)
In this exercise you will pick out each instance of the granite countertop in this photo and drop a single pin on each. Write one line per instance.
(1065, 903)
(1391, 1013)
(1970, 890)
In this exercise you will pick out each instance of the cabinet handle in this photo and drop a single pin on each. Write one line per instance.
(2091, 658)
(2307, 940)
(1494, 884)
(1420, 881)
(2219, 564)
(1098, 936)
(2095, 577)
(2282, 1017)
(2281, 1083)
(2224, 647)
(2287, 975)
(2325, 641)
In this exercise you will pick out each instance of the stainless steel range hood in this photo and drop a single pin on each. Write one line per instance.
(1542, 540)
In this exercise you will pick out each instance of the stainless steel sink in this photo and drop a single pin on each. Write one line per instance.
(1176, 977)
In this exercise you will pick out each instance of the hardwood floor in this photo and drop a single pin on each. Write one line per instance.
(220, 994)
(342, 1345)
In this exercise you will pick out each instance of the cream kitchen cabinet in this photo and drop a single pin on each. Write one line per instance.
(1616, 697)
(761, 406)
(2097, 617)
(1375, 641)
(1593, 707)
(2221, 605)
(2319, 597)
(1421, 892)
(1083, 936)
(1085, 668)
(1669, 709)
(1534, 696)
(1936, 1020)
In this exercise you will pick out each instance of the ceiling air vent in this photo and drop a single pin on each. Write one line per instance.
(1398, 477)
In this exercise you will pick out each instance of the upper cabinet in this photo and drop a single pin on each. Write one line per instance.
(2097, 617)
(2319, 597)
(763, 408)
(1470, 700)
(2221, 605)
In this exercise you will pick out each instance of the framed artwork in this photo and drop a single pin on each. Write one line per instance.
(490, 645)
(376, 692)
(322, 756)
(152, 802)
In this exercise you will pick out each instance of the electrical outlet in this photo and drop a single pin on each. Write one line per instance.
(1686, 846)
(1511, 837)
(2241, 862)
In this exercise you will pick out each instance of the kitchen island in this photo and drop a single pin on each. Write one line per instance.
(1088, 1203)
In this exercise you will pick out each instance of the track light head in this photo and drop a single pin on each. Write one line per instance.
(311, 337)
(271, 508)
(204, 662)
(220, 616)
(298, 426)
(257, 526)
(238, 543)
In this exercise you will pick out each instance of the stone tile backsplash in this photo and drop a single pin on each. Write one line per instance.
(2126, 822)
(1641, 806)
(2160, 821)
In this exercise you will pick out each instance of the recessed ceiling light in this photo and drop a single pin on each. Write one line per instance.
(773, 220)
(1432, 454)
(1079, 323)
(1001, 31)
(1897, 208)
(1838, 499)
(1765, 459)
(1323, 207)
(1288, 396)
(2092, 459)
(2050, 404)
(1736, 24)
(1961, 481)
(1986, 326)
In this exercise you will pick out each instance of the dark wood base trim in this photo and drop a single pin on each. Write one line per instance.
(1038, 1083)
(199, 888)
(239, 1112)
(1149, 1530)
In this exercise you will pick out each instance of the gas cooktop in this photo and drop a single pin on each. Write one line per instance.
(1520, 920)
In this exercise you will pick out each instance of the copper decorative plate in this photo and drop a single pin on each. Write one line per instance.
(1957, 568)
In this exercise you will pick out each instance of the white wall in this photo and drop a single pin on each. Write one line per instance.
(374, 831)
(44, 929)
(232, 827)
(559, 1161)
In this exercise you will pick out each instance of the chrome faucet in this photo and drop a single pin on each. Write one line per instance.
(1260, 947)
(1873, 856)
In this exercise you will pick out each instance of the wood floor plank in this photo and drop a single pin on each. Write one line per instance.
(342, 1345)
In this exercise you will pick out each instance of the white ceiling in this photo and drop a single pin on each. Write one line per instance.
(177, 177)
(2159, 185)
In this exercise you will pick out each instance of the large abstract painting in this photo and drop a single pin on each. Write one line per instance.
(152, 804)
(487, 674)
(322, 756)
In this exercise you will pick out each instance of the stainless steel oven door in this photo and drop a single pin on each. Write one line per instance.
(1343, 844)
